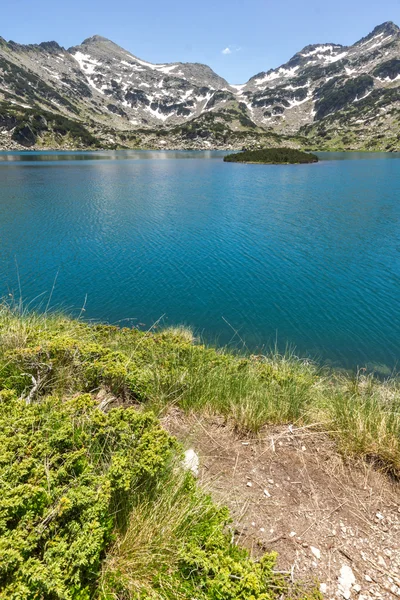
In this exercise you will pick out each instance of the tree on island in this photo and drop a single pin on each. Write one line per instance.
(273, 156)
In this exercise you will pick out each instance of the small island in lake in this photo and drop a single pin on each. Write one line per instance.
(272, 156)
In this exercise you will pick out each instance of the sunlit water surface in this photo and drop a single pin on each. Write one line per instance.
(305, 255)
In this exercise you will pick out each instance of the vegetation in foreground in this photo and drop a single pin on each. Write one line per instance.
(95, 502)
(86, 488)
(273, 156)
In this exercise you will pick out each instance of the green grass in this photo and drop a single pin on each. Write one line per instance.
(95, 503)
(85, 492)
(157, 370)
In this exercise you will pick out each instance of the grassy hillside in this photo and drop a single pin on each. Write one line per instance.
(88, 476)
(35, 127)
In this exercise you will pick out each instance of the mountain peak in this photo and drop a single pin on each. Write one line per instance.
(51, 46)
(386, 28)
(95, 39)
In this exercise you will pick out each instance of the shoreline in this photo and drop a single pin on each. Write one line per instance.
(4, 149)
(155, 423)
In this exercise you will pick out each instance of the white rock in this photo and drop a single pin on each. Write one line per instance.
(262, 529)
(323, 588)
(357, 588)
(381, 561)
(368, 578)
(191, 461)
(379, 516)
(266, 493)
(346, 581)
(292, 534)
(249, 484)
(316, 552)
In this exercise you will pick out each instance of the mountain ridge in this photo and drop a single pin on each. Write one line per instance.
(319, 97)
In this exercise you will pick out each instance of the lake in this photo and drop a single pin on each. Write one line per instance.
(249, 255)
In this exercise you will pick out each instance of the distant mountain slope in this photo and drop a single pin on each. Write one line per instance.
(100, 94)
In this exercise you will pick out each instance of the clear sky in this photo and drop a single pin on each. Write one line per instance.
(237, 38)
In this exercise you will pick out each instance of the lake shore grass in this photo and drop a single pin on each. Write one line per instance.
(156, 370)
(79, 470)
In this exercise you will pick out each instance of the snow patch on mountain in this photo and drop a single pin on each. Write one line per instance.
(86, 63)
(318, 50)
(281, 72)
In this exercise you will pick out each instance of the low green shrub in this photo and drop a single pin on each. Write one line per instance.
(95, 505)
(66, 471)
(159, 369)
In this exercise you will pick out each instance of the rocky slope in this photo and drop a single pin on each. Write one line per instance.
(98, 94)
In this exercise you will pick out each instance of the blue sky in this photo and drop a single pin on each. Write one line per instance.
(255, 34)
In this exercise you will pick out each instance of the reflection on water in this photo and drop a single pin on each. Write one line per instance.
(302, 254)
(50, 156)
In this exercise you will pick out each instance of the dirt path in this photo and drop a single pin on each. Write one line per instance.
(290, 491)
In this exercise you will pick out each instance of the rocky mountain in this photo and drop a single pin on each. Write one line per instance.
(98, 94)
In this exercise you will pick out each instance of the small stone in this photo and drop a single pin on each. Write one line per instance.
(346, 581)
(381, 561)
(267, 494)
(262, 529)
(245, 443)
(323, 588)
(316, 552)
(357, 588)
(292, 534)
(249, 484)
(303, 448)
(368, 578)
(191, 462)
(271, 481)
(379, 516)
(253, 523)
(395, 589)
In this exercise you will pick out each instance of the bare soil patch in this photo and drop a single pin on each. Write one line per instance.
(289, 490)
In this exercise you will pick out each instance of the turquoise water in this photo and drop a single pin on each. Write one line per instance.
(304, 255)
